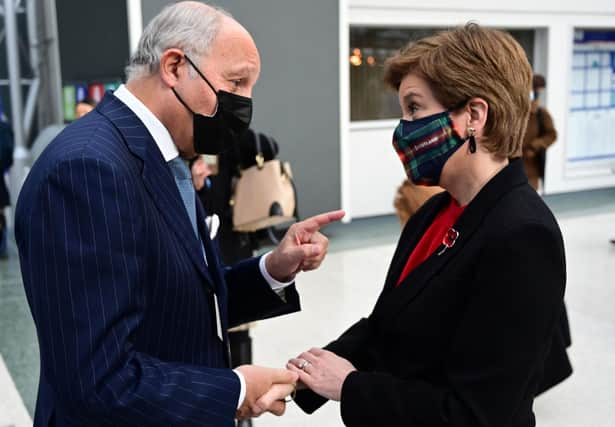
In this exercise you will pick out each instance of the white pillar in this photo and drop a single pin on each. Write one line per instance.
(135, 23)
(12, 59)
(344, 81)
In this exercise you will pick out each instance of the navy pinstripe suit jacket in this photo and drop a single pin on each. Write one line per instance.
(118, 288)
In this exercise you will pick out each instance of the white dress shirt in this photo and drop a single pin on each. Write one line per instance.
(169, 151)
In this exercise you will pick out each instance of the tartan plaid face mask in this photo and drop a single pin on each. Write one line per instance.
(424, 146)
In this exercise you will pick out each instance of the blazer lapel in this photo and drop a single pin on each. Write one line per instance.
(157, 177)
(216, 269)
(393, 299)
(412, 233)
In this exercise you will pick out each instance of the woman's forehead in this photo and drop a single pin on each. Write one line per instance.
(413, 82)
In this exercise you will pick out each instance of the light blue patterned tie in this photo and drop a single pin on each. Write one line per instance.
(183, 179)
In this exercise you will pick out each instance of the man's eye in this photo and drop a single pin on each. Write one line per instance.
(413, 108)
(237, 82)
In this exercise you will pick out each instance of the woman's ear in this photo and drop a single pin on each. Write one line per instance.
(170, 69)
(478, 114)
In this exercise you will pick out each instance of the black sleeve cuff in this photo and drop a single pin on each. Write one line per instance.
(309, 401)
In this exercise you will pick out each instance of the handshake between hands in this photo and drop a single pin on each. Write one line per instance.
(267, 389)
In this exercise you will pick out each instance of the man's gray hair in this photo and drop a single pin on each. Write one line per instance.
(186, 25)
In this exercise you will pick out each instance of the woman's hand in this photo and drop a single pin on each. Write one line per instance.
(322, 371)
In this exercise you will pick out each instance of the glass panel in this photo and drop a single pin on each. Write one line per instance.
(370, 99)
(590, 122)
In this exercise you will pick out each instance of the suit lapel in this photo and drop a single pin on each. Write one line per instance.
(157, 177)
(213, 262)
(393, 299)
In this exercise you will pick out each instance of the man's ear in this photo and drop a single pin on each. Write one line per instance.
(479, 110)
(170, 70)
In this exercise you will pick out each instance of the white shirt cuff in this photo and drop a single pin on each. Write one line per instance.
(276, 286)
(242, 390)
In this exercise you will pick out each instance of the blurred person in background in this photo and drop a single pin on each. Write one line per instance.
(83, 107)
(460, 333)
(539, 136)
(410, 197)
(7, 144)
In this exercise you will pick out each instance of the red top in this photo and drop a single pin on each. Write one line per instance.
(438, 231)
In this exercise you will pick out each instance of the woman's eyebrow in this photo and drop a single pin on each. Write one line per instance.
(410, 95)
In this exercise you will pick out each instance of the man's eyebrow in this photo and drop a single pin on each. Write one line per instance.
(243, 69)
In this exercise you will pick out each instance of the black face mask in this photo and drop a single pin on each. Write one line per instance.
(214, 134)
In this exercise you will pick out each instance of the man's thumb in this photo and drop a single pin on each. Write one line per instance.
(284, 376)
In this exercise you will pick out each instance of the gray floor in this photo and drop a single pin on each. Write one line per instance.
(18, 343)
(347, 286)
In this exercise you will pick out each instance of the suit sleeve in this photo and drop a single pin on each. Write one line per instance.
(82, 251)
(497, 351)
(251, 297)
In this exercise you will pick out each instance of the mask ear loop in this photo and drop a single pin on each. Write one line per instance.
(200, 73)
(206, 81)
(182, 101)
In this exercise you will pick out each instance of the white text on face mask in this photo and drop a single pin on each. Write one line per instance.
(425, 144)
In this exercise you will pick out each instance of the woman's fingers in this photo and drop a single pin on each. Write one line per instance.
(317, 351)
(308, 357)
(304, 377)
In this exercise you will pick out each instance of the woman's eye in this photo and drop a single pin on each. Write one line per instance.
(413, 108)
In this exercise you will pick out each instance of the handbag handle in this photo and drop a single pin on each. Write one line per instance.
(260, 158)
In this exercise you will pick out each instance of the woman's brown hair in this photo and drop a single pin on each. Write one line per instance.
(474, 62)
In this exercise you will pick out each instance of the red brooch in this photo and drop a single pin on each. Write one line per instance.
(449, 239)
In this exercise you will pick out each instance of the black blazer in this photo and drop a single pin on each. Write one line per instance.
(462, 341)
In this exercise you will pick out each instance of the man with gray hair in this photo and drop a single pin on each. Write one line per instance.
(126, 289)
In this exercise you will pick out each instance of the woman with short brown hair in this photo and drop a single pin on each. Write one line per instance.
(474, 62)
(461, 330)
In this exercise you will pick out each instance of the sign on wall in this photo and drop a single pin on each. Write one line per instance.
(591, 121)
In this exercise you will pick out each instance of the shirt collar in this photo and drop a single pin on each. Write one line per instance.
(157, 130)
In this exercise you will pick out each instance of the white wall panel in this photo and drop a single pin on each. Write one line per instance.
(524, 6)
(374, 168)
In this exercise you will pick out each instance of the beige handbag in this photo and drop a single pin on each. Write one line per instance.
(264, 194)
